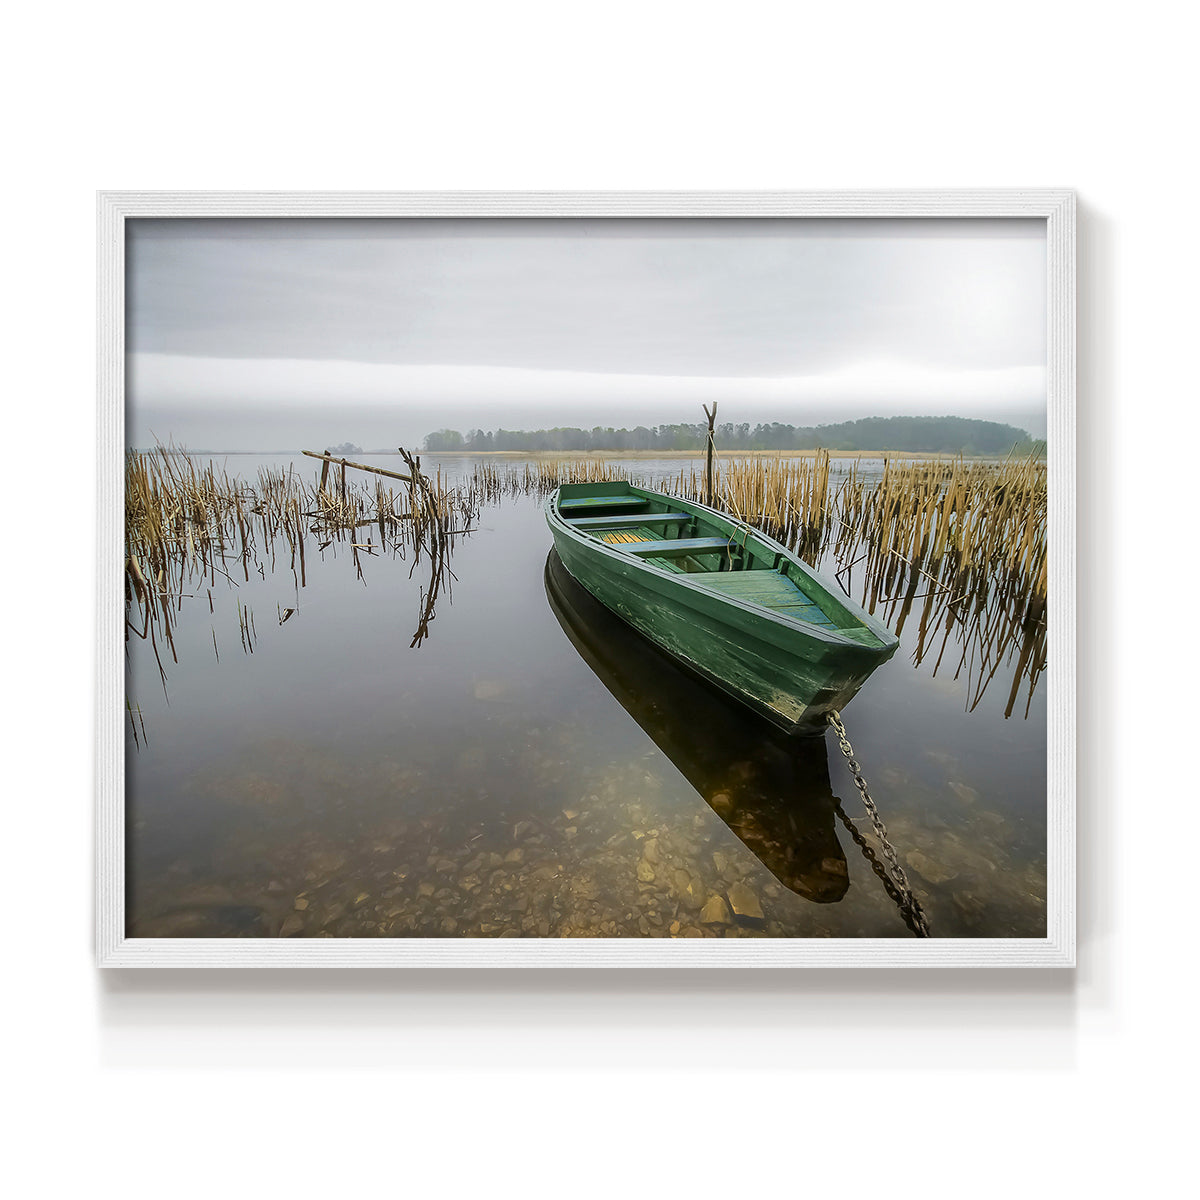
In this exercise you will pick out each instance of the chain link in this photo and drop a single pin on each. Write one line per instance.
(910, 906)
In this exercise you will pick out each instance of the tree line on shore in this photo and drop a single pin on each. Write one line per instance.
(933, 435)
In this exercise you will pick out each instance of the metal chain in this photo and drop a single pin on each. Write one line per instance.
(910, 906)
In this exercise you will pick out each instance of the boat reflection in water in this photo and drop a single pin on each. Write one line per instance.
(773, 791)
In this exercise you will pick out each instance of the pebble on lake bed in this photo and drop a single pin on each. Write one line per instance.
(722, 802)
(966, 793)
(929, 868)
(688, 888)
(745, 905)
(716, 912)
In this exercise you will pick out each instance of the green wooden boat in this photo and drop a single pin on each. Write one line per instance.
(728, 602)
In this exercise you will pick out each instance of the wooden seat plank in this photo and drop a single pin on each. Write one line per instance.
(620, 519)
(602, 502)
(678, 547)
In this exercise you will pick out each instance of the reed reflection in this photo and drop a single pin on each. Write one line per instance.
(192, 533)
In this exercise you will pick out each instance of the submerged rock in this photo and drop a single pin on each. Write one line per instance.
(716, 912)
(745, 905)
(688, 888)
(929, 868)
(968, 795)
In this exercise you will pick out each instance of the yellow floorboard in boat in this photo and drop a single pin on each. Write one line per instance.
(643, 534)
(624, 535)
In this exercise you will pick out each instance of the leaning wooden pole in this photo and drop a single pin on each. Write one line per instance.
(712, 417)
(344, 463)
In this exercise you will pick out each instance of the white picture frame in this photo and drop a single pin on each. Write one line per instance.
(1056, 949)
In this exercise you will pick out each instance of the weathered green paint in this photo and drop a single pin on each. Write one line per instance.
(769, 589)
(601, 501)
(782, 641)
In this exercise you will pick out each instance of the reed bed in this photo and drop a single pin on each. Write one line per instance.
(961, 543)
(191, 529)
(965, 538)
(491, 481)
(957, 546)
(968, 539)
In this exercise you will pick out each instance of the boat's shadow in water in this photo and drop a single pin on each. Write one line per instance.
(771, 790)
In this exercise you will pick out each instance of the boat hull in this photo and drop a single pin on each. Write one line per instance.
(790, 674)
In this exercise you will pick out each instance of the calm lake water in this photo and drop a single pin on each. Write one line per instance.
(533, 768)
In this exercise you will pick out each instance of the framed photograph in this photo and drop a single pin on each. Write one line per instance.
(613, 580)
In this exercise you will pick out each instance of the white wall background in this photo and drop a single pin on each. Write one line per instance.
(450, 1083)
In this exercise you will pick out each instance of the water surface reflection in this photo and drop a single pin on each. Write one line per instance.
(498, 781)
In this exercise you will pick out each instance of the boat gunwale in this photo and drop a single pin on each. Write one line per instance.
(888, 641)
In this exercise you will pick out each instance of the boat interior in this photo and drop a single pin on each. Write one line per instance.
(687, 543)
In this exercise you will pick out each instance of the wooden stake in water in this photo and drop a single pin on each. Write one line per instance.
(712, 417)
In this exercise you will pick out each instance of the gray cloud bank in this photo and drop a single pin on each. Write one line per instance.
(273, 334)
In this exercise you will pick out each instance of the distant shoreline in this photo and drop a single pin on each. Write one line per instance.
(555, 455)
(599, 454)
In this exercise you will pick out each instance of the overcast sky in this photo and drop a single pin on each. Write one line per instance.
(281, 334)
